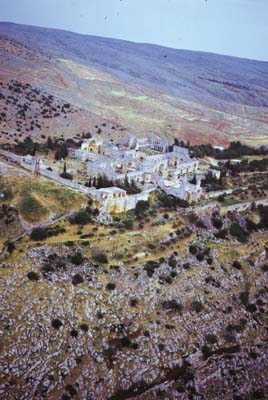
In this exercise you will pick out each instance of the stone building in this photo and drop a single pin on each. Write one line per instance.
(149, 162)
(116, 200)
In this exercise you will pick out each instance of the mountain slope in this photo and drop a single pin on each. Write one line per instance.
(198, 96)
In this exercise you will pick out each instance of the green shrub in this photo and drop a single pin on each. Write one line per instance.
(110, 286)
(206, 350)
(217, 223)
(66, 175)
(238, 232)
(72, 390)
(128, 223)
(265, 268)
(197, 306)
(74, 333)
(11, 247)
(193, 249)
(244, 297)
(100, 256)
(84, 327)
(133, 302)
(211, 338)
(80, 218)
(151, 266)
(141, 207)
(33, 276)
(48, 268)
(77, 258)
(69, 243)
(237, 264)
(77, 279)
(221, 234)
(38, 234)
(172, 305)
(56, 323)
(172, 262)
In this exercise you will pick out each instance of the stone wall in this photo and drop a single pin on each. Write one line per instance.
(127, 203)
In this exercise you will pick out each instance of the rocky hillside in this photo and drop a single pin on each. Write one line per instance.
(176, 93)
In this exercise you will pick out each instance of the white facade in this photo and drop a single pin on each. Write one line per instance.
(129, 158)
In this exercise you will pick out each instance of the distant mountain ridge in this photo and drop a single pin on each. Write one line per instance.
(202, 96)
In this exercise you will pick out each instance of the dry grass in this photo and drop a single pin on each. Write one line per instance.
(36, 200)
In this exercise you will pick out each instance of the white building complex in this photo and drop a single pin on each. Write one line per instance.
(149, 162)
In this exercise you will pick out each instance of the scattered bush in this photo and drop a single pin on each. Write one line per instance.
(172, 262)
(151, 266)
(77, 279)
(77, 258)
(100, 256)
(74, 333)
(56, 323)
(265, 268)
(197, 306)
(141, 207)
(251, 307)
(125, 342)
(38, 234)
(238, 232)
(211, 338)
(133, 302)
(80, 218)
(72, 390)
(66, 175)
(110, 286)
(221, 234)
(244, 297)
(172, 305)
(206, 350)
(217, 223)
(237, 265)
(193, 249)
(33, 276)
(10, 247)
(84, 327)
(128, 223)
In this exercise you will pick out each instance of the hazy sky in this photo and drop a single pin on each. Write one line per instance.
(233, 27)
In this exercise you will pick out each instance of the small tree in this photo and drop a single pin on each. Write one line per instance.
(67, 175)
(110, 286)
(197, 306)
(84, 327)
(206, 350)
(141, 207)
(211, 338)
(77, 279)
(33, 276)
(61, 151)
(80, 218)
(50, 143)
(77, 258)
(100, 256)
(56, 323)
(38, 233)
